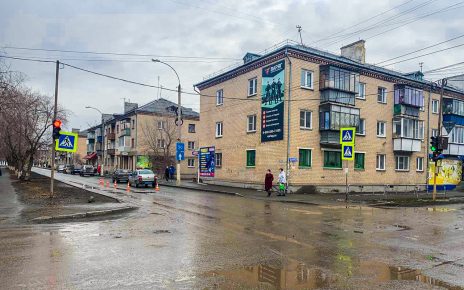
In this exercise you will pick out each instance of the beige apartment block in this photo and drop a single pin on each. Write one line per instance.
(391, 143)
(141, 133)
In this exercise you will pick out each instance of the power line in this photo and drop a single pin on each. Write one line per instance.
(448, 66)
(427, 47)
(115, 53)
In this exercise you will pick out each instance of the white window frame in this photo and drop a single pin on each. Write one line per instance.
(160, 143)
(361, 95)
(253, 119)
(190, 160)
(358, 132)
(421, 163)
(161, 125)
(220, 97)
(435, 106)
(216, 163)
(306, 119)
(188, 145)
(304, 80)
(384, 95)
(397, 158)
(384, 135)
(219, 129)
(377, 162)
(252, 87)
(434, 132)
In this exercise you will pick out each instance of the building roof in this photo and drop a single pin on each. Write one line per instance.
(323, 56)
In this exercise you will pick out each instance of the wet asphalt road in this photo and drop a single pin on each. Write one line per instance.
(181, 239)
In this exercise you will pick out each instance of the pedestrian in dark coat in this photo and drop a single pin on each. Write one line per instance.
(166, 174)
(172, 170)
(268, 182)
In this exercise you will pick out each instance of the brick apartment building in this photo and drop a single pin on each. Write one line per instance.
(259, 118)
(133, 139)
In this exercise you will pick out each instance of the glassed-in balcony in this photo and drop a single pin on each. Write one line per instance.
(453, 111)
(455, 141)
(338, 79)
(407, 134)
(332, 118)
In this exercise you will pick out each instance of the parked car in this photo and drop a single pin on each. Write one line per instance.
(68, 169)
(144, 177)
(87, 170)
(61, 168)
(76, 169)
(120, 175)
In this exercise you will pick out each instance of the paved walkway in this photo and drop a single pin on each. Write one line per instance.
(10, 207)
(456, 196)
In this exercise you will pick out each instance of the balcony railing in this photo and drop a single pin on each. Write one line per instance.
(407, 145)
(111, 136)
(126, 132)
(111, 151)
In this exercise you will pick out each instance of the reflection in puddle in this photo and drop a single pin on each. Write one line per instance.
(296, 275)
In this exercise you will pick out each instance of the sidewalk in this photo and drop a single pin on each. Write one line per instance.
(10, 207)
(397, 199)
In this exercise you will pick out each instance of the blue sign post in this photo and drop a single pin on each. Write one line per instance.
(180, 151)
(67, 142)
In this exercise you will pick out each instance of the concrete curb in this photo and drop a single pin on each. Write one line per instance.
(202, 189)
(95, 213)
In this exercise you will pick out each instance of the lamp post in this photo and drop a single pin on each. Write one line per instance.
(179, 116)
(102, 168)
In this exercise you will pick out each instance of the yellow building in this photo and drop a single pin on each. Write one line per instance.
(284, 109)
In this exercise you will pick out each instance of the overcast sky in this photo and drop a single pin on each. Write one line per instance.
(200, 37)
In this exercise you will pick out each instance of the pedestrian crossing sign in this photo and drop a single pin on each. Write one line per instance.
(67, 142)
(347, 135)
(348, 152)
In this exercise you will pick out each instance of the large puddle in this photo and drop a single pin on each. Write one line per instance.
(297, 275)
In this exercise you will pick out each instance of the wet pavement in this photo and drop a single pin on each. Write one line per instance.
(184, 239)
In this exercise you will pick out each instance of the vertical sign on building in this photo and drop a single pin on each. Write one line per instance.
(207, 162)
(272, 102)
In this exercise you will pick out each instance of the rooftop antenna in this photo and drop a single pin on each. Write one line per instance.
(421, 64)
(299, 32)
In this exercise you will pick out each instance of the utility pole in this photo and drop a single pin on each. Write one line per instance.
(443, 83)
(179, 128)
(299, 32)
(55, 112)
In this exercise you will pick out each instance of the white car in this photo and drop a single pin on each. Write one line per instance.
(144, 177)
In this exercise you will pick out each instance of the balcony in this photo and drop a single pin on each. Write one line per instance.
(125, 132)
(338, 79)
(99, 139)
(91, 136)
(111, 151)
(111, 136)
(407, 134)
(408, 96)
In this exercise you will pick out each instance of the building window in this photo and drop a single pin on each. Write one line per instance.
(252, 86)
(304, 158)
(332, 159)
(380, 162)
(132, 143)
(435, 106)
(420, 164)
(434, 132)
(305, 119)
(381, 129)
(117, 129)
(402, 163)
(160, 143)
(191, 128)
(362, 91)
(251, 126)
(219, 97)
(306, 79)
(251, 158)
(191, 162)
(218, 159)
(456, 135)
(408, 128)
(191, 145)
(382, 95)
(161, 125)
(359, 160)
(219, 129)
(361, 129)
(133, 124)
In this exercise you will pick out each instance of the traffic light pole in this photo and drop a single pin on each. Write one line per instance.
(55, 112)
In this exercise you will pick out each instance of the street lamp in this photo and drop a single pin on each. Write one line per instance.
(102, 168)
(179, 115)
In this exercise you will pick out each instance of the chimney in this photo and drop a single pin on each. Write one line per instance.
(355, 51)
(130, 106)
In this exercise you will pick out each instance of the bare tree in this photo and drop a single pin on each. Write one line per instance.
(159, 139)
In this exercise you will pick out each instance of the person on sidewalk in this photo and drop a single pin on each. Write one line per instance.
(172, 170)
(167, 174)
(268, 182)
(282, 182)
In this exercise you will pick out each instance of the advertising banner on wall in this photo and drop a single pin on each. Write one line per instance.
(272, 102)
(206, 158)
(143, 162)
(449, 176)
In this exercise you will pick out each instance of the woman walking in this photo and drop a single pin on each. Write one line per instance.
(268, 182)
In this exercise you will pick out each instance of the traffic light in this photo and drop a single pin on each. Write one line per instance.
(433, 143)
(56, 129)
